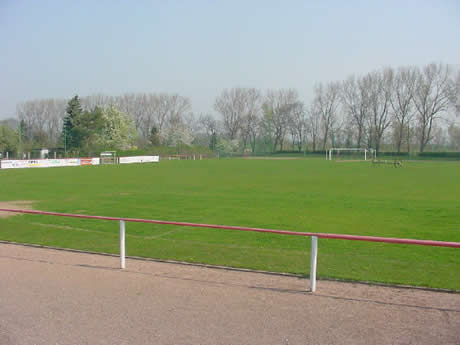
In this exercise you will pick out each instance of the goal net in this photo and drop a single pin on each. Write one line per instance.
(350, 154)
(108, 157)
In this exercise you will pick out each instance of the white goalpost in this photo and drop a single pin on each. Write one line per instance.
(108, 157)
(357, 153)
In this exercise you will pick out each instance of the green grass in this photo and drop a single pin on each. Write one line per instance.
(420, 200)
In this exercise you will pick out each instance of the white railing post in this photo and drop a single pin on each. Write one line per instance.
(122, 244)
(314, 254)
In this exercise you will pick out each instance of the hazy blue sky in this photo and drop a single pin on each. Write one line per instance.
(197, 48)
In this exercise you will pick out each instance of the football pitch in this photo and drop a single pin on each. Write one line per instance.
(420, 200)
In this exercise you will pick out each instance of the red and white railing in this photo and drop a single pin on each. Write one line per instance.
(313, 235)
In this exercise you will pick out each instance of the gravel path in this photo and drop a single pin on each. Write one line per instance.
(58, 297)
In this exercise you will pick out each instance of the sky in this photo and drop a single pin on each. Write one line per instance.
(197, 48)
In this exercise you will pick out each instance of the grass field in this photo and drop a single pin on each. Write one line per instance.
(420, 200)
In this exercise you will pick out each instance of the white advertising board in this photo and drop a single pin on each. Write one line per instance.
(39, 163)
(70, 162)
(139, 159)
(89, 161)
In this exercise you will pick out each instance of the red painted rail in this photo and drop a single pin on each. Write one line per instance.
(240, 228)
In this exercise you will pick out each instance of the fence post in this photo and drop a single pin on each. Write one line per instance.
(314, 254)
(122, 244)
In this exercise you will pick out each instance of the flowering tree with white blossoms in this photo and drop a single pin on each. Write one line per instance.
(119, 131)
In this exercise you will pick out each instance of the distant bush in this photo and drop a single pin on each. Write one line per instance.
(421, 155)
(166, 150)
(394, 154)
(449, 155)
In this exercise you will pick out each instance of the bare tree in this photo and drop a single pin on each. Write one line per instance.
(456, 95)
(231, 106)
(355, 100)
(210, 126)
(148, 110)
(454, 136)
(136, 105)
(298, 125)
(251, 100)
(325, 103)
(97, 100)
(239, 108)
(379, 85)
(402, 104)
(277, 110)
(55, 118)
(431, 99)
(154, 110)
(42, 119)
(172, 110)
(314, 125)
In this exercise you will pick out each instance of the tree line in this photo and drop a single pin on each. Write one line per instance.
(404, 109)
(407, 107)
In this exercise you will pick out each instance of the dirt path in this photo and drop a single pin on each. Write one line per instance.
(57, 297)
(20, 204)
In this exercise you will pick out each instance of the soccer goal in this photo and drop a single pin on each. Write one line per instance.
(350, 154)
(108, 157)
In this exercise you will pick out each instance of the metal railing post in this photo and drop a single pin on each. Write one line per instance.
(314, 254)
(122, 244)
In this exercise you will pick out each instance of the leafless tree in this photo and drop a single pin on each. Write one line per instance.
(402, 104)
(314, 125)
(208, 127)
(379, 84)
(172, 110)
(231, 106)
(325, 103)
(251, 100)
(298, 125)
(456, 95)
(96, 100)
(431, 99)
(355, 100)
(277, 108)
(42, 119)
(154, 110)
(55, 116)
(209, 124)
(136, 105)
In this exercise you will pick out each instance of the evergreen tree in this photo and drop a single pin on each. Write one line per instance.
(73, 112)
(88, 128)
(213, 141)
(154, 136)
